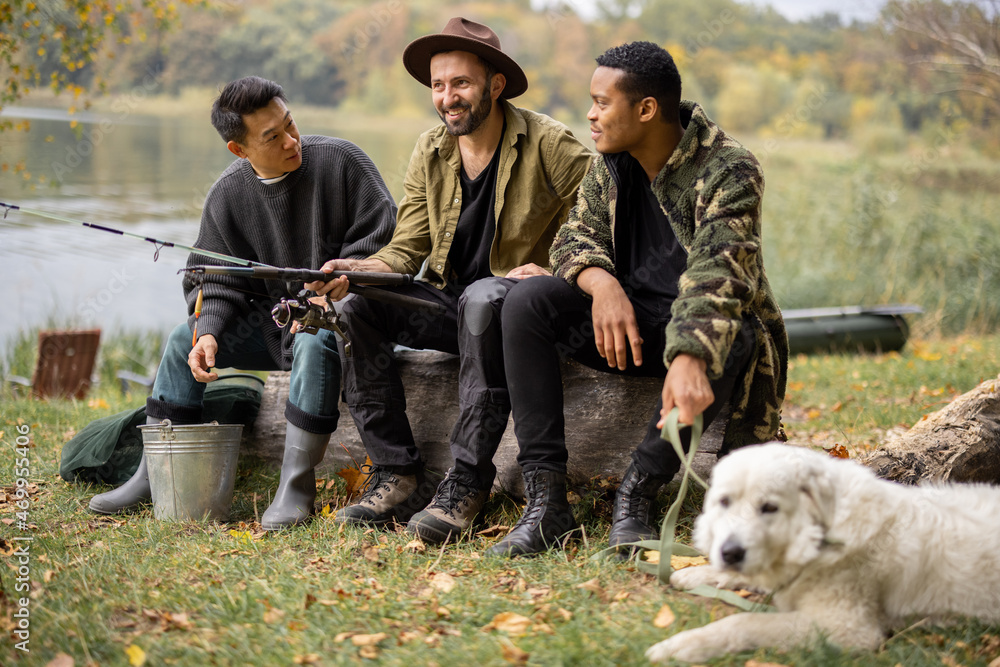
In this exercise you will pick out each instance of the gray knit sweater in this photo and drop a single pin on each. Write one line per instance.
(335, 205)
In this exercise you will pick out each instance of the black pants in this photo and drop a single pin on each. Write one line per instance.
(544, 319)
(469, 328)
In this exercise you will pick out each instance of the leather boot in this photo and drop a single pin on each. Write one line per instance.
(632, 519)
(129, 495)
(547, 518)
(296, 495)
(451, 512)
(387, 497)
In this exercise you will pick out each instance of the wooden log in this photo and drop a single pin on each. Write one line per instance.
(959, 443)
(606, 417)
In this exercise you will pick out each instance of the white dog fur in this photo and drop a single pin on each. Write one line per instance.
(846, 555)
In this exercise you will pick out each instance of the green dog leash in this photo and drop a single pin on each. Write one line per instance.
(667, 545)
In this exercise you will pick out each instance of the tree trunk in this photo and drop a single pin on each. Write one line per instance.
(959, 443)
(606, 417)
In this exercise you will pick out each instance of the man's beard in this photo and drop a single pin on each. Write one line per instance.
(473, 120)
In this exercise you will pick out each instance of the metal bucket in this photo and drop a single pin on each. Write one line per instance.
(192, 469)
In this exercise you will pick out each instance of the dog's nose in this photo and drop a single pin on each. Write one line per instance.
(732, 552)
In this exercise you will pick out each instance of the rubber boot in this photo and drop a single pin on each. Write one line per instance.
(296, 495)
(632, 519)
(547, 519)
(129, 495)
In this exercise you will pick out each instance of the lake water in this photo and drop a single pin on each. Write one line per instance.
(146, 175)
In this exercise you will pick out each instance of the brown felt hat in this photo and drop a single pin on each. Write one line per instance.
(464, 35)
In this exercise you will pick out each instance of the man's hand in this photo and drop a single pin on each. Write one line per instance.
(686, 387)
(337, 288)
(615, 325)
(202, 357)
(319, 301)
(527, 270)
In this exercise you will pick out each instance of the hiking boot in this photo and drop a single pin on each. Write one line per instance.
(547, 519)
(451, 512)
(387, 497)
(632, 519)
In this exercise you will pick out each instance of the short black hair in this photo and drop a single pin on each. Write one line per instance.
(240, 98)
(650, 71)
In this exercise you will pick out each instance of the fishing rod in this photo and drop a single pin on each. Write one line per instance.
(159, 243)
(300, 308)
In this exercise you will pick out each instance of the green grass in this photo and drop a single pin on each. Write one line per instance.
(844, 227)
(210, 594)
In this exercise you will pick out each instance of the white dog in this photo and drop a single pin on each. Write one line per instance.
(846, 555)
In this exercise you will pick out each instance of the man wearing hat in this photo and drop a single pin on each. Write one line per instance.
(484, 195)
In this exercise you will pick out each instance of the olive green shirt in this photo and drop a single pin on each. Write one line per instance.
(541, 166)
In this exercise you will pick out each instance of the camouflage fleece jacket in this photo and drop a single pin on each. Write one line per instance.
(710, 189)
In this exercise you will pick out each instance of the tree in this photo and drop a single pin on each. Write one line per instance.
(57, 43)
(959, 42)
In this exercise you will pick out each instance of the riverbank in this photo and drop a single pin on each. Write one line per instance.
(105, 589)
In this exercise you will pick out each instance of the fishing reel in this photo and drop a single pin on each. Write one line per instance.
(311, 316)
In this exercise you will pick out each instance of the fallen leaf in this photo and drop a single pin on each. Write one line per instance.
(177, 621)
(755, 663)
(496, 530)
(341, 636)
(665, 617)
(594, 586)
(443, 581)
(651, 556)
(839, 452)
(995, 662)
(307, 659)
(813, 414)
(539, 591)
(136, 656)
(272, 616)
(416, 546)
(354, 477)
(681, 562)
(368, 652)
(512, 653)
(443, 612)
(621, 595)
(368, 640)
(509, 622)
(61, 660)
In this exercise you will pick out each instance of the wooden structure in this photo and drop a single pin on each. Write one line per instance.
(65, 363)
(606, 417)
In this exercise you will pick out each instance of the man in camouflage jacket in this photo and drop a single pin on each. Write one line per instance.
(661, 257)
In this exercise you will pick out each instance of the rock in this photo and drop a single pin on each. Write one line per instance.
(606, 416)
(959, 443)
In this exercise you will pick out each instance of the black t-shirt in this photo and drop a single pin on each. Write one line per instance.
(470, 251)
(648, 257)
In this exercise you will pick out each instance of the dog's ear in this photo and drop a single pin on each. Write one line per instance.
(817, 488)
